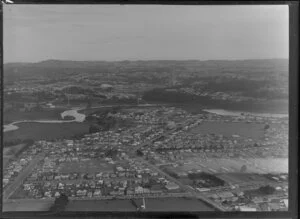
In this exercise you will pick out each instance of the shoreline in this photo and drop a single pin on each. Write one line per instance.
(74, 112)
(80, 117)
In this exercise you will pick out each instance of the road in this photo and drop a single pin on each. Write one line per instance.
(10, 189)
(184, 187)
(164, 134)
(193, 192)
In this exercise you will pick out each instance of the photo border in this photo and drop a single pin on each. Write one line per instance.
(293, 119)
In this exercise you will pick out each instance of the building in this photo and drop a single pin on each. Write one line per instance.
(245, 208)
(225, 195)
(29, 106)
(106, 87)
(139, 190)
(172, 186)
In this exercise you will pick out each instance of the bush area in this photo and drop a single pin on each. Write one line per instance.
(160, 95)
(205, 180)
(249, 88)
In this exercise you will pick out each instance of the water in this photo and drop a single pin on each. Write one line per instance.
(239, 113)
(78, 117)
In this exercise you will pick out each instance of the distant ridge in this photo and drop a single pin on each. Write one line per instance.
(60, 61)
(267, 67)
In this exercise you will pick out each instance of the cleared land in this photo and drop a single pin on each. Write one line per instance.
(47, 131)
(248, 130)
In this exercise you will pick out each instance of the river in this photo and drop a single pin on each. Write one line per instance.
(78, 117)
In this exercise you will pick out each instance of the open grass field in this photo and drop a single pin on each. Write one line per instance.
(159, 204)
(93, 110)
(91, 166)
(47, 114)
(232, 165)
(5, 161)
(247, 130)
(20, 193)
(27, 205)
(46, 131)
(11, 151)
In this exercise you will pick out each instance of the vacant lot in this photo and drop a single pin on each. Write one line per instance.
(91, 166)
(47, 114)
(247, 130)
(47, 131)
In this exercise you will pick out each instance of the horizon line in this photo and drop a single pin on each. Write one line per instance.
(141, 60)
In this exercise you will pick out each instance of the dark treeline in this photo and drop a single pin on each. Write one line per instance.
(249, 88)
(27, 142)
(77, 90)
(162, 96)
(210, 180)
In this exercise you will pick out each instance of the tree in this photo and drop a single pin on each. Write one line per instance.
(94, 128)
(139, 152)
(268, 190)
(111, 153)
(89, 103)
(28, 141)
(60, 203)
(267, 126)
(116, 109)
(243, 169)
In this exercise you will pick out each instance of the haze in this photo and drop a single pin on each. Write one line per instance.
(144, 32)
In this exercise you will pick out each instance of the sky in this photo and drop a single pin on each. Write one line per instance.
(33, 33)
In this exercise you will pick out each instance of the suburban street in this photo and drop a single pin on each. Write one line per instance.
(184, 187)
(23, 174)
